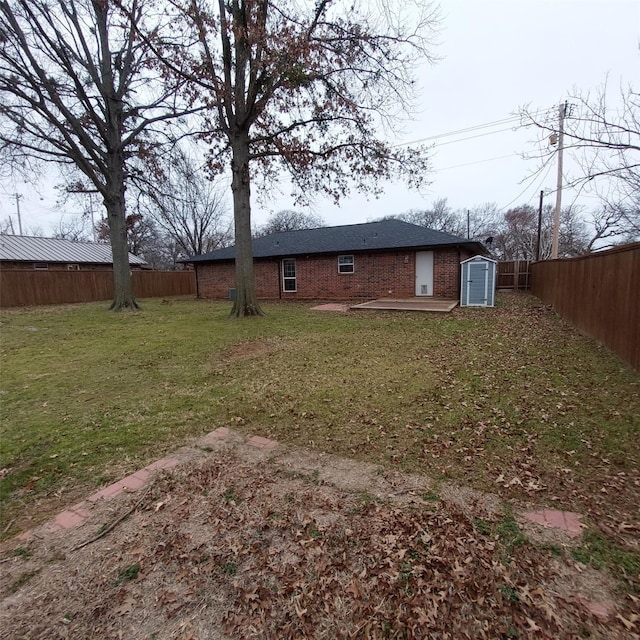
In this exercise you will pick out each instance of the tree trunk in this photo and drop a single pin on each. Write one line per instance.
(246, 303)
(123, 291)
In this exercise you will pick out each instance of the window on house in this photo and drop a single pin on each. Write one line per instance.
(40, 265)
(345, 264)
(289, 274)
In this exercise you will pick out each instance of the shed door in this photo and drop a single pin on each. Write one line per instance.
(477, 284)
(424, 273)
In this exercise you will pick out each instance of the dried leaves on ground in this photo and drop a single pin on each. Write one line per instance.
(233, 549)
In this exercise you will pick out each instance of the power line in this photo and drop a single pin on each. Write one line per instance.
(467, 164)
(526, 189)
(476, 127)
(479, 135)
(460, 131)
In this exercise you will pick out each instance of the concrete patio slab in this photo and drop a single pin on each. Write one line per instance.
(437, 305)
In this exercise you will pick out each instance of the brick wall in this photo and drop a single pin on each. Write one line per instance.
(446, 272)
(215, 279)
(376, 275)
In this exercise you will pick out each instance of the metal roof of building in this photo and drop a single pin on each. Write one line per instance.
(28, 249)
(371, 236)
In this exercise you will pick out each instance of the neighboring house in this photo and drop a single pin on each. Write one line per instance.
(389, 258)
(54, 254)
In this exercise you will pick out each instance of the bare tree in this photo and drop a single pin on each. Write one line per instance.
(615, 222)
(140, 232)
(188, 207)
(289, 220)
(574, 236)
(440, 216)
(6, 227)
(72, 228)
(302, 87)
(477, 223)
(517, 234)
(604, 139)
(81, 89)
(483, 221)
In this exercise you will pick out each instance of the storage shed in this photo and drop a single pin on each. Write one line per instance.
(478, 282)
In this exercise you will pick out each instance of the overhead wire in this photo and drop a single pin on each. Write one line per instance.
(544, 177)
(456, 132)
(479, 135)
(468, 164)
(477, 127)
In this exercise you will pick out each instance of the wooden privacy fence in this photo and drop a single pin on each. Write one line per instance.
(599, 294)
(513, 274)
(22, 288)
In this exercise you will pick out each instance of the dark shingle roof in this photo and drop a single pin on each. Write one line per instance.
(28, 249)
(370, 236)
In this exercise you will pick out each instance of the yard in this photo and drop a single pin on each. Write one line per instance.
(510, 401)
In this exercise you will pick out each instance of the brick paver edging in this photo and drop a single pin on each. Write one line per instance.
(76, 515)
(565, 521)
(79, 513)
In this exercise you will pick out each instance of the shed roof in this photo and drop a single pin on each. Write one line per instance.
(29, 249)
(370, 236)
(476, 258)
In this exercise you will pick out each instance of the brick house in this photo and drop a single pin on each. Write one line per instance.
(56, 254)
(389, 258)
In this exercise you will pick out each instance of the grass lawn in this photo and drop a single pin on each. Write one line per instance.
(510, 399)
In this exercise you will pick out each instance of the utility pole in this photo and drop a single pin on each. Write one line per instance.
(91, 193)
(468, 226)
(18, 198)
(539, 225)
(556, 217)
(93, 223)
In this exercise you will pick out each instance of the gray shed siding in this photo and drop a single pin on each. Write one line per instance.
(478, 282)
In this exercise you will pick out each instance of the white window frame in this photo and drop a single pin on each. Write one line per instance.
(285, 279)
(352, 264)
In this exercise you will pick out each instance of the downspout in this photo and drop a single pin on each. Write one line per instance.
(195, 266)
(459, 274)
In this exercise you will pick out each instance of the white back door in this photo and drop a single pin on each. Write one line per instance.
(424, 273)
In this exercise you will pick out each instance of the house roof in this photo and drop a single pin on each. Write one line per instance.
(370, 236)
(28, 249)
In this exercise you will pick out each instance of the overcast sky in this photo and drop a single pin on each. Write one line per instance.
(496, 56)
